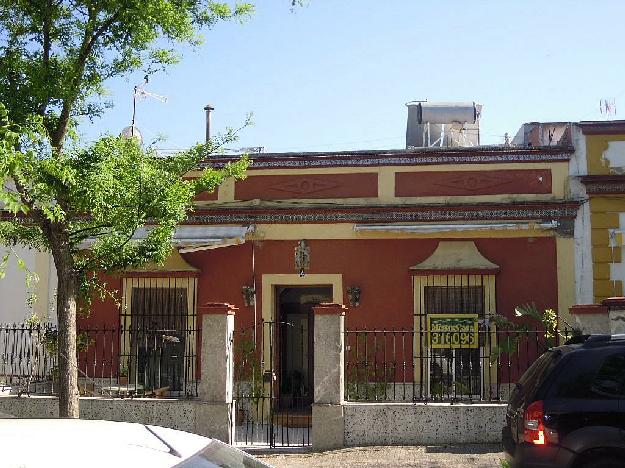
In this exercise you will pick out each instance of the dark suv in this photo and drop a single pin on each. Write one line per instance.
(568, 409)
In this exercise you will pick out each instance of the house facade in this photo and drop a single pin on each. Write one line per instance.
(399, 237)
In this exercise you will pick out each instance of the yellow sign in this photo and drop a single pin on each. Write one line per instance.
(453, 331)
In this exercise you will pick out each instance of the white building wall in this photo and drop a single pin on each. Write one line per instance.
(578, 166)
(14, 291)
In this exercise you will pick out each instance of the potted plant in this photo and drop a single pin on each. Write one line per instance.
(123, 375)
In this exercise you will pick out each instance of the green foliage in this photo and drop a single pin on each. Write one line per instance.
(248, 373)
(99, 196)
(56, 55)
(50, 341)
(531, 316)
(365, 379)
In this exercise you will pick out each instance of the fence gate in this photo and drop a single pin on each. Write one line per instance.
(272, 400)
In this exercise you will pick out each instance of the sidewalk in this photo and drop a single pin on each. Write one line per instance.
(474, 455)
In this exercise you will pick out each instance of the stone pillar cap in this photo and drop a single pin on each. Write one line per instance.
(588, 309)
(614, 302)
(329, 308)
(216, 308)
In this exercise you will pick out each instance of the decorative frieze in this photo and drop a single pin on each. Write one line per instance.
(604, 184)
(294, 215)
(408, 158)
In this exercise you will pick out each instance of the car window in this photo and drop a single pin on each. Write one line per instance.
(610, 379)
(588, 377)
(534, 376)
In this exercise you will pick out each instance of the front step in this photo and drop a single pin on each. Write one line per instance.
(292, 419)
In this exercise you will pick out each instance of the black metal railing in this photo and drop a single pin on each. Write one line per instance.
(112, 361)
(407, 365)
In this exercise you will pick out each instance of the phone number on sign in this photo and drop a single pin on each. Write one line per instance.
(453, 339)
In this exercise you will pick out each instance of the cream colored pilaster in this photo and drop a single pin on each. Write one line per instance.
(565, 251)
(386, 184)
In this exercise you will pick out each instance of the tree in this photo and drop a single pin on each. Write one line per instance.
(55, 56)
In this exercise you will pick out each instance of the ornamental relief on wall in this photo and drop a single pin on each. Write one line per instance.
(472, 181)
(304, 186)
(423, 184)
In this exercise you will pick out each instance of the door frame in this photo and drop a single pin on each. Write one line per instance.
(270, 282)
(280, 329)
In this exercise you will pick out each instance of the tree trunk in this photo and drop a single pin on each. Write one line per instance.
(66, 315)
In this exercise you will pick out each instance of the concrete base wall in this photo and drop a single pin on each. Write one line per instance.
(207, 419)
(420, 423)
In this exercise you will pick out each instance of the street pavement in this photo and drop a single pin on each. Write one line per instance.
(472, 455)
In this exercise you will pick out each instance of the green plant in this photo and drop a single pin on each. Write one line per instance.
(248, 371)
(530, 316)
(366, 379)
(51, 342)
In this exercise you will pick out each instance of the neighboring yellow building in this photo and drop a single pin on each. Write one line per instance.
(603, 149)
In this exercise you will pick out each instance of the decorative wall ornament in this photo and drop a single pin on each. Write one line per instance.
(302, 257)
(608, 184)
(537, 210)
(249, 295)
(353, 296)
(304, 186)
(487, 182)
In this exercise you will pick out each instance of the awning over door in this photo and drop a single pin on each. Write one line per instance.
(196, 238)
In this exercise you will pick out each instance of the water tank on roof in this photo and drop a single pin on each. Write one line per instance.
(442, 124)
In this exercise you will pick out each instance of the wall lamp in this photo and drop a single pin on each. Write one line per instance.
(249, 295)
(302, 257)
(353, 296)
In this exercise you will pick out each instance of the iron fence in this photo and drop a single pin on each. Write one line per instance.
(423, 365)
(112, 361)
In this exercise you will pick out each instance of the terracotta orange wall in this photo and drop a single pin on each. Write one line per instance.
(381, 269)
(104, 313)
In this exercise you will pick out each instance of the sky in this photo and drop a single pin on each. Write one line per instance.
(336, 74)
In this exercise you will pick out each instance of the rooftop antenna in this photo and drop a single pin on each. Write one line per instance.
(607, 107)
(140, 93)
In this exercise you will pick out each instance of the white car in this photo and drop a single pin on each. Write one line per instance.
(33, 443)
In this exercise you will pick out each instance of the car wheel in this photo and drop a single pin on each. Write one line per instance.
(605, 462)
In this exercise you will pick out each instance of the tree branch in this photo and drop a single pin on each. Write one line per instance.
(47, 45)
(90, 37)
(87, 229)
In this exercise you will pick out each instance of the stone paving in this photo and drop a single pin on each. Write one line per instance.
(474, 455)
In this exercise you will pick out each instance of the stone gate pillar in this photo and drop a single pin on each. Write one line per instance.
(216, 324)
(328, 425)
(616, 314)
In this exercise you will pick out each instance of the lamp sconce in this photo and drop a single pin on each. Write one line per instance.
(353, 296)
(249, 295)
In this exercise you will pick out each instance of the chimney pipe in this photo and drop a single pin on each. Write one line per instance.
(208, 108)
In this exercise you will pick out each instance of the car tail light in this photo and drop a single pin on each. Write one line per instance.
(533, 427)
